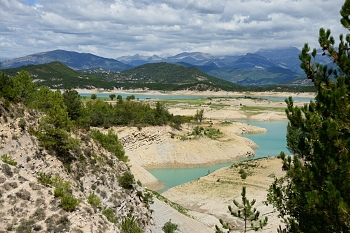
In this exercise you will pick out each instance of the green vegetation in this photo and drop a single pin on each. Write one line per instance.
(53, 132)
(201, 131)
(126, 180)
(62, 190)
(56, 75)
(110, 142)
(128, 113)
(69, 202)
(260, 109)
(112, 96)
(8, 159)
(129, 225)
(169, 227)
(17, 89)
(247, 213)
(199, 116)
(243, 173)
(313, 196)
(174, 205)
(171, 74)
(45, 179)
(109, 213)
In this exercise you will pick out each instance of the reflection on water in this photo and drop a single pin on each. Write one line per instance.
(271, 144)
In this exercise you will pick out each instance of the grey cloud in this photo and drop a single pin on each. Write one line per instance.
(113, 28)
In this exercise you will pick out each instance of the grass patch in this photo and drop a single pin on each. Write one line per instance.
(219, 106)
(260, 108)
(8, 159)
(109, 213)
(94, 200)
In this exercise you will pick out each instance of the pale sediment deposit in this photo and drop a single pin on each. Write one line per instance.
(208, 197)
(162, 146)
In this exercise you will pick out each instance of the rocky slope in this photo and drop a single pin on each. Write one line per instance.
(28, 205)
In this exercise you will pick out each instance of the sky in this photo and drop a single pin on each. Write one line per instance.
(115, 28)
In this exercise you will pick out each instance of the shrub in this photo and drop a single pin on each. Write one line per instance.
(111, 143)
(129, 225)
(126, 180)
(109, 213)
(59, 192)
(243, 173)
(169, 227)
(94, 200)
(44, 179)
(69, 202)
(148, 198)
(22, 124)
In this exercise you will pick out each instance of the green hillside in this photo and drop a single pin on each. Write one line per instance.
(171, 76)
(58, 75)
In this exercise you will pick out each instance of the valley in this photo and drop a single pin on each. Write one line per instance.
(206, 198)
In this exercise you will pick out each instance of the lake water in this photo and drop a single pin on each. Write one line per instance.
(165, 96)
(144, 96)
(271, 144)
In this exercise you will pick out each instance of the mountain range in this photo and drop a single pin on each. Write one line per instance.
(264, 67)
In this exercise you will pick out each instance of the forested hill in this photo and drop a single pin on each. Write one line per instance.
(172, 74)
(160, 76)
(58, 75)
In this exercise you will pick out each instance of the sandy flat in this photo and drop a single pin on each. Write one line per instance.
(209, 196)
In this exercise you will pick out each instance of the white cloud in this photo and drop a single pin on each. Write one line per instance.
(112, 28)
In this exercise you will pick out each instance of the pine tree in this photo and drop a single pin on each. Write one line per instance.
(313, 196)
(247, 213)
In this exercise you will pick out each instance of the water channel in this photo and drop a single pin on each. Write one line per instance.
(270, 143)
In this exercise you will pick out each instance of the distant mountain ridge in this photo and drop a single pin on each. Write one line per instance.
(264, 67)
(59, 76)
(159, 76)
(74, 60)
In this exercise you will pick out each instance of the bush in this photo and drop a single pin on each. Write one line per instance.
(22, 124)
(59, 192)
(129, 225)
(109, 213)
(243, 173)
(111, 143)
(44, 179)
(94, 200)
(169, 227)
(126, 180)
(69, 202)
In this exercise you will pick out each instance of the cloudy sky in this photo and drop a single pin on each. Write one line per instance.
(114, 28)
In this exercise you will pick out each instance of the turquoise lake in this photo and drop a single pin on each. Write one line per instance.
(165, 96)
(270, 143)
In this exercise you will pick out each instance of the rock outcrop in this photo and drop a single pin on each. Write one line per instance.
(27, 205)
